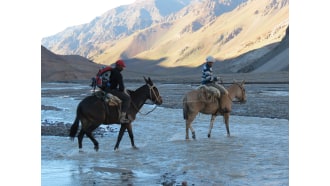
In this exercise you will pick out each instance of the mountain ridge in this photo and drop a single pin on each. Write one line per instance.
(266, 69)
(241, 34)
(225, 29)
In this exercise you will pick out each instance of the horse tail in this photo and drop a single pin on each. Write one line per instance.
(185, 108)
(74, 128)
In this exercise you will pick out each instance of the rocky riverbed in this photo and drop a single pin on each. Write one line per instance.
(265, 100)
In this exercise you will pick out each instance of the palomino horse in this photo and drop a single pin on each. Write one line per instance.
(193, 104)
(93, 111)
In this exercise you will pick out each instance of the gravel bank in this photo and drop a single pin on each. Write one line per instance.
(269, 99)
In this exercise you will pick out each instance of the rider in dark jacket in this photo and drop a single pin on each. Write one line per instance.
(117, 88)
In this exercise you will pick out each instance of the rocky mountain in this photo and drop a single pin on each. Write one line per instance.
(177, 32)
(173, 37)
(271, 67)
(112, 25)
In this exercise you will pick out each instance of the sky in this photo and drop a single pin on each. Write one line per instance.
(58, 15)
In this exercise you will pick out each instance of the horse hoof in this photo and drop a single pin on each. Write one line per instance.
(134, 147)
(209, 135)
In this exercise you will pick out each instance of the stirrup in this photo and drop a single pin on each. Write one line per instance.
(124, 120)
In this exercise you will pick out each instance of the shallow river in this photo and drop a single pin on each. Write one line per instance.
(257, 153)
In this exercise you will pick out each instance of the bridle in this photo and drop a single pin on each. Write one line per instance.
(243, 92)
(151, 90)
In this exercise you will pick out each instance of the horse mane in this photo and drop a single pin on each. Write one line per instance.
(129, 91)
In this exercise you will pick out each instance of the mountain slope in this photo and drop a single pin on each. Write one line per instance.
(276, 60)
(161, 40)
(227, 36)
(87, 39)
(264, 70)
(183, 32)
(65, 67)
(186, 41)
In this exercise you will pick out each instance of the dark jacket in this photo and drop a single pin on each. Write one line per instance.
(116, 80)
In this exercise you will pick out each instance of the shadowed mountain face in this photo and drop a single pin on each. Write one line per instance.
(65, 67)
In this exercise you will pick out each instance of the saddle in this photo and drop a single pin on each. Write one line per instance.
(209, 93)
(212, 94)
(110, 99)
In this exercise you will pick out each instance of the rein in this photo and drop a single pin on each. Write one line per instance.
(144, 113)
(157, 97)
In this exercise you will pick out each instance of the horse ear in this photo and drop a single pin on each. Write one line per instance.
(243, 81)
(150, 82)
(145, 79)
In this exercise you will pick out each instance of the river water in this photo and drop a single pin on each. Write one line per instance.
(257, 153)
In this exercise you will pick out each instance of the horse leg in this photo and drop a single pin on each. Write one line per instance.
(211, 125)
(91, 137)
(226, 119)
(189, 121)
(120, 135)
(187, 129)
(130, 133)
(80, 138)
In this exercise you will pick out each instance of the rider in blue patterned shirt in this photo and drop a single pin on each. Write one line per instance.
(207, 76)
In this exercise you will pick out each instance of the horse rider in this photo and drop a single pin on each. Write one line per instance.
(117, 88)
(207, 77)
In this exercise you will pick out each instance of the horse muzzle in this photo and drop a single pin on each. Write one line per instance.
(159, 101)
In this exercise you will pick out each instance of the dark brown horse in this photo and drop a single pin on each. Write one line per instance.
(194, 104)
(92, 111)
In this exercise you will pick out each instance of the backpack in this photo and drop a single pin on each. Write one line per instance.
(102, 79)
